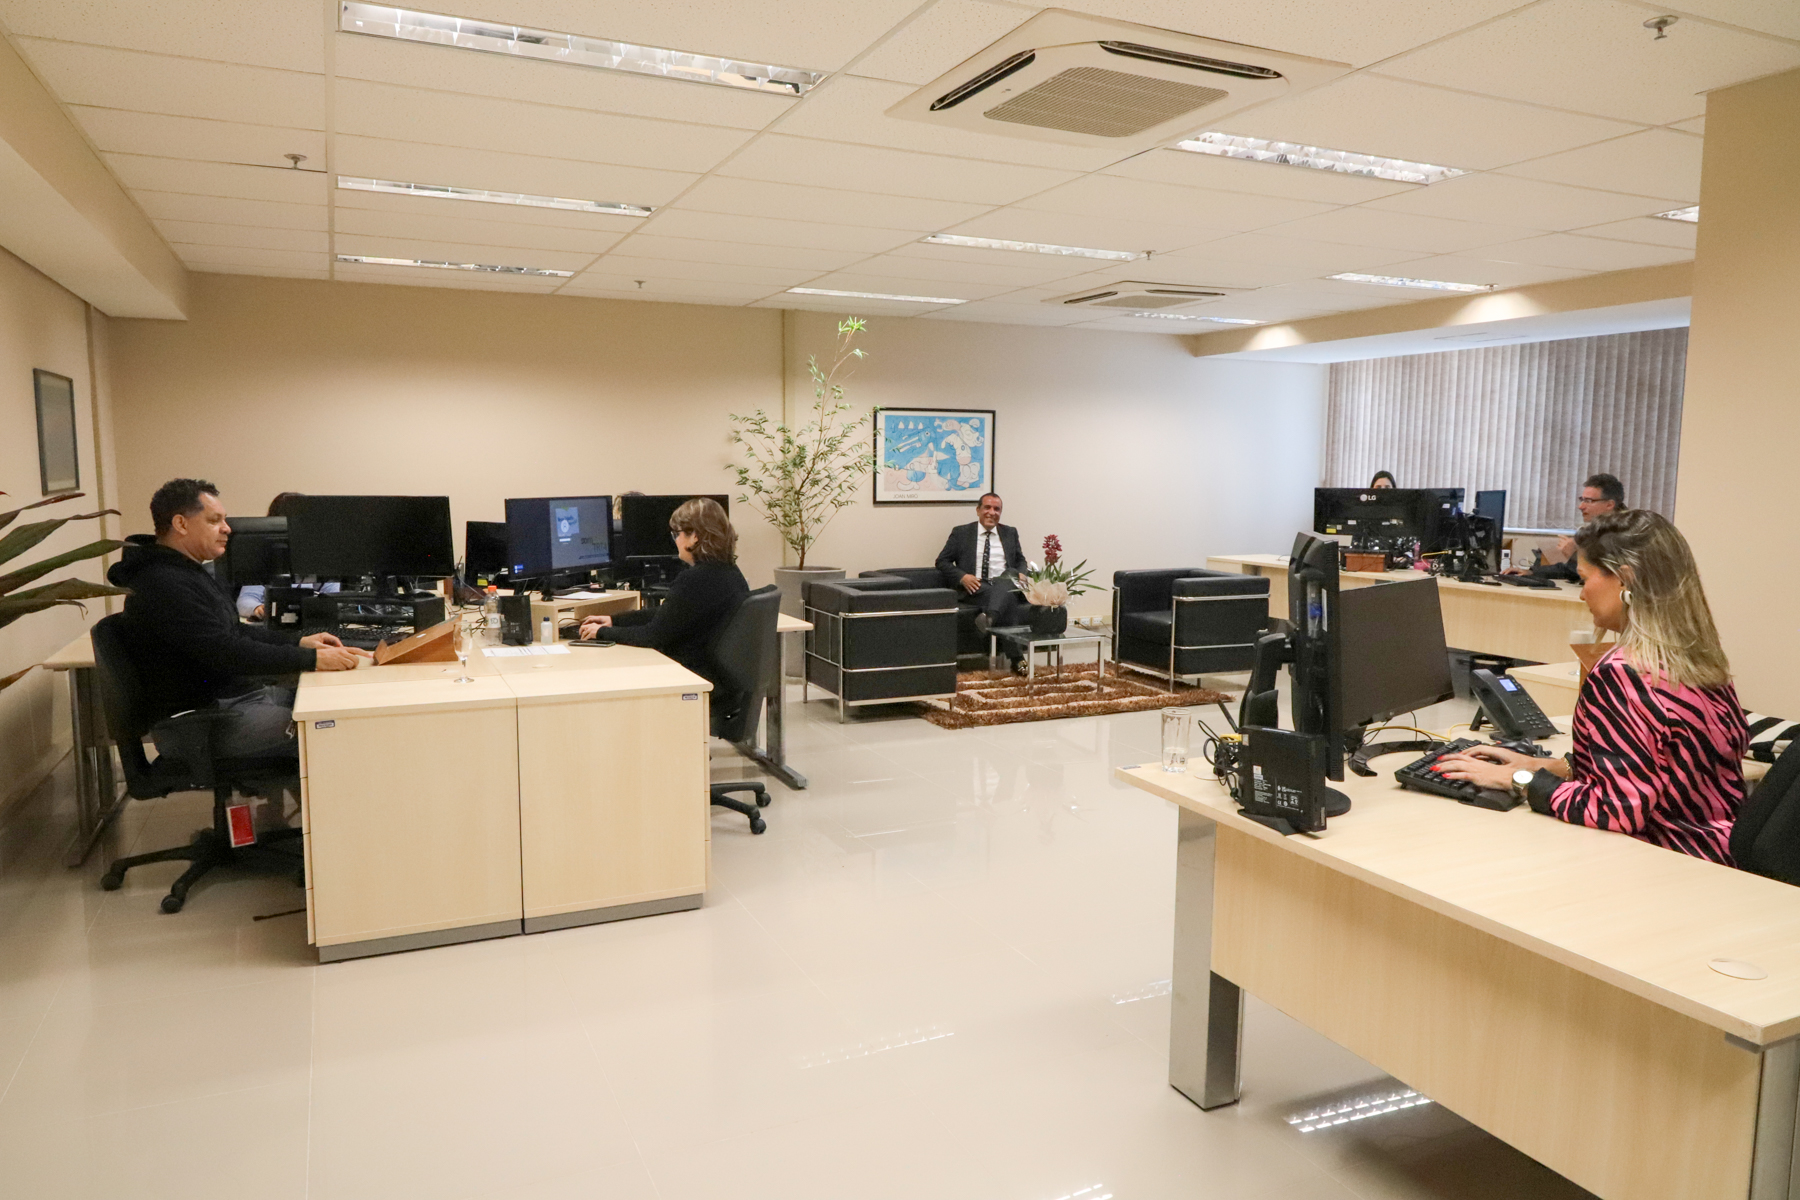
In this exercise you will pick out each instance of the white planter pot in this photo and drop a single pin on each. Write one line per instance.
(792, 582)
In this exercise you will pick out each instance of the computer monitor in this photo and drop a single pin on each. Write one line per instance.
(1391, 652)
(1390, 514)
(549, 535)
(1313, 598)
(644, 524)
(257, 552)
(1492, 505)
(347, 537)
(484, 550)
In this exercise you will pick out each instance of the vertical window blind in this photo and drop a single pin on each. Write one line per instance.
(1535, 418)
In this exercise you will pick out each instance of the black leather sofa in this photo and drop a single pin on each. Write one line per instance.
(1187, 621)
(970, 641)
(880, 638)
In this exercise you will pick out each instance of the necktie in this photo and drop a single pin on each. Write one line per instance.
(987, 550)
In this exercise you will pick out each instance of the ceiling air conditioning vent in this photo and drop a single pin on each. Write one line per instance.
(1144, 297)
(1079, 80)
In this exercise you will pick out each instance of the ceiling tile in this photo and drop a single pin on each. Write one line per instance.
(1197, 268)
(184, 87)
(1697, 125)
(859, 280)
(286, 35)
(775, 158)
(1656, 162)
(1165, 326)
(996, 267)
(1503, 199)
(442, 227)
(1587, 253)
(770, 231)
(1195, 208)
(1366, 226)
(218, 179)
(1648, 230)
(1369, 114)
(1187, 169)
(1069, 229)
(946, 34)
(260, 272)
(246, 256)
(815, 34)
(693, 290)
(1342, 297)
(442, 69)
(410, 162)
(1324, 258)
(850, 109)
(461, 252)
(206, 141)
(655, 270)
(999, 312)
(267, 214)
(434, 207)
(484, 123)
(1779, 17)
(804, 202)
(845, 306)
(645, 245)
(1595, 56)
(1460, 268)
(200, 233)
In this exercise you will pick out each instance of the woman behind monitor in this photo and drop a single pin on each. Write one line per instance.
(700, 601)
(1383, 479)
(1659, 734)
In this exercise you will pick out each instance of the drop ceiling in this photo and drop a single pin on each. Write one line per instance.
(1574, 123)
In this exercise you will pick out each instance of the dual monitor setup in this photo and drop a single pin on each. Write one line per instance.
(554, 541)
(1428, 522)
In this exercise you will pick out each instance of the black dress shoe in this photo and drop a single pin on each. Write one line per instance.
(982, 621)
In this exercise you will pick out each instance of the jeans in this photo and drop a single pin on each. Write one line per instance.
(263, 728)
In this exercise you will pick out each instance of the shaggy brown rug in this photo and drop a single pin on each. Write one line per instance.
(999, 697)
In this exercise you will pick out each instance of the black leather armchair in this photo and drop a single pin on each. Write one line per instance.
(879, 639)
(1187, 621)
(970, 641)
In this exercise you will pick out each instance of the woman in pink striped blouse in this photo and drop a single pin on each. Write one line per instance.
(1659, 734)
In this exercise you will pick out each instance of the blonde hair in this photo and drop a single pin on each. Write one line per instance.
(1669, 631)
(706, 521)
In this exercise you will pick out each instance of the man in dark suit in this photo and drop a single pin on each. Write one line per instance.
(979, 562)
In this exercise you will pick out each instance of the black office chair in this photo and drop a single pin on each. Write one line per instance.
(192, 767)
(745, 651)
(1765, 838)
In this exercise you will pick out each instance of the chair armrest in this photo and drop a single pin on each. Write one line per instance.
(920, 576)
(901, 599)
(1221, 584)
(1149, 591)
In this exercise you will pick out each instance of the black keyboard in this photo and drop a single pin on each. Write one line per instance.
(361, 637)
(1419, 776)
(1525, 581)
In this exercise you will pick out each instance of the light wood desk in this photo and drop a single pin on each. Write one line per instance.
(1527, 623)
(1549, 983)
(599, 604)
(551, 790)
(97, 795)
(1554, 686)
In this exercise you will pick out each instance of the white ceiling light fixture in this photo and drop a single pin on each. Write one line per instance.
(874, 296)
(496, 37)
(439, 191)
(451, 266)
(980, 243)
(1293, 154)
(1436, 285)
(1690, 215)
(1163, 316)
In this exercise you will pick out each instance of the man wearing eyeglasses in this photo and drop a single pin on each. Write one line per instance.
(1601, 494)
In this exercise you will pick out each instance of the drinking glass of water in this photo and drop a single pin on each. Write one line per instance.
(1177, 727)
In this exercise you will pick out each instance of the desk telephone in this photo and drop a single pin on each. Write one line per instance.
(1509, 707)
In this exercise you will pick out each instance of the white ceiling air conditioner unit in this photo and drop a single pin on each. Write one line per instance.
(1082, 81)
(1137, 296)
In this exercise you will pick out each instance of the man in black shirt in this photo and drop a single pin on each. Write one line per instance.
(184, 635)
(1600, 494)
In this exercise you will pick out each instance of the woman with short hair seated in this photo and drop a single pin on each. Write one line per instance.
(701, 599)
(1659, 734)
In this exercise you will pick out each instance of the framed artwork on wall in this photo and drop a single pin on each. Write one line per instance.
(59, 457)
(933, 455)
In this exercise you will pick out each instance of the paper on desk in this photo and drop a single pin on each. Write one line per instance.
(583, 596)
(522, 651)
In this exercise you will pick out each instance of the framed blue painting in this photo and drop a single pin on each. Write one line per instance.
(933, 455)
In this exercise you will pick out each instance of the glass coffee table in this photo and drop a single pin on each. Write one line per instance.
(1019, 638)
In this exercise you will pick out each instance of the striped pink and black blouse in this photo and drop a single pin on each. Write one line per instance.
(1658, 762)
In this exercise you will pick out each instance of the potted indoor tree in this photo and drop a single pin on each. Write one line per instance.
(16, 600)
(1048, 589)
(799, 479)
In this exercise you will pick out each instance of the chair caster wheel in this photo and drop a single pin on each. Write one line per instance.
(110, 882)
(757, 824)
(172, 904)
(762, 801)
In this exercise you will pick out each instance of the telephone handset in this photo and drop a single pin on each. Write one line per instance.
(1506, 703)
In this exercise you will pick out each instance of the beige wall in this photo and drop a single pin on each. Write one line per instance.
(1737, 434)
(1133, 451)
(41, 326)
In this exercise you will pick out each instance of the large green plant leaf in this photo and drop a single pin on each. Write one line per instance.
(24, 575)
(66, 591)
(26, 536)
(7, 681)
(7, 518)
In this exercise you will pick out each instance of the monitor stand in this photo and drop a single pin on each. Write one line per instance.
(1336, 803)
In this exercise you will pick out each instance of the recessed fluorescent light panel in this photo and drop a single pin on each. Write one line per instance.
(1163, 316)
(1682, 214)
(444, 192)
(450, 266)
(953, 239)
(874, 296)
(1292, 154)
(495, 37)
(1436, 285)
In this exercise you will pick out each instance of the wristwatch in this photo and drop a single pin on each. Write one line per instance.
(1521, 779)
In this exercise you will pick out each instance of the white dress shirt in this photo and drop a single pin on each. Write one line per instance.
(996, 557)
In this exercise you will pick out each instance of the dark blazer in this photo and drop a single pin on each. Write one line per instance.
(961, 554)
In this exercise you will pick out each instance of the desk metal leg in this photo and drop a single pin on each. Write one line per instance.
(772, 757)
(1206, 1023)
(97, 799)
(1772, 1175)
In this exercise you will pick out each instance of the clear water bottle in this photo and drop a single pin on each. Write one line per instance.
(1177, 726)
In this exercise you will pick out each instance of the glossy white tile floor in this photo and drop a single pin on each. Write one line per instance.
(941, 973)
